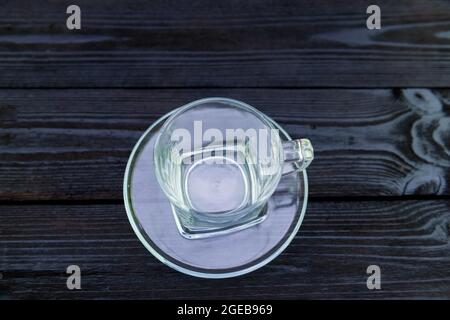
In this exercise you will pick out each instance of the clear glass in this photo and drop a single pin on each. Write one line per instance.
(150, 215)
(218, 161)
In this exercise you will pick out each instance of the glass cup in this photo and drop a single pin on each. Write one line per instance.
(218, 161)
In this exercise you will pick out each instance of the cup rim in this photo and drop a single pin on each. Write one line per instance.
(172, 115)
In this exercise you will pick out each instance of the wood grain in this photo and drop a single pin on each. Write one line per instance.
(74, 103)
(74, 144)
(267, 43)
(409, 240)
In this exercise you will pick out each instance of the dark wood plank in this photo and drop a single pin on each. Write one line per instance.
(74, 144)
(409, 240)
(229, 43)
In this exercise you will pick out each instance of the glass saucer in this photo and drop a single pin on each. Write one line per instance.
(150, 214)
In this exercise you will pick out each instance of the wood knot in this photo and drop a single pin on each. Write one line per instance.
(429, 133)
(431, 139)
(427, 180)
(422, 100)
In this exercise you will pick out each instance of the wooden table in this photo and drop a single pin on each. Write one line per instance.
(74, 103)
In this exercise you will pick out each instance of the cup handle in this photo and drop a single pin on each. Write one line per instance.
(298, 155)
